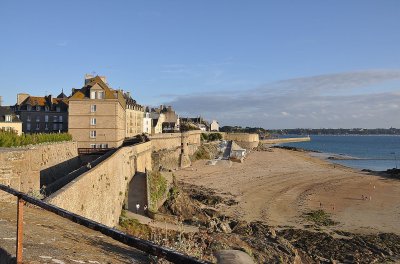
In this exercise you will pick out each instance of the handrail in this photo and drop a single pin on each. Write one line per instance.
(141, 244)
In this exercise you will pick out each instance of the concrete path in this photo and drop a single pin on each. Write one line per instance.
(227, 152)
(137, 193)
(150, 222)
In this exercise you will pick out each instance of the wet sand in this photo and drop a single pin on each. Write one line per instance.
(277, 187)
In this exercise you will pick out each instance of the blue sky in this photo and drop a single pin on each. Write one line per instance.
(276, 64)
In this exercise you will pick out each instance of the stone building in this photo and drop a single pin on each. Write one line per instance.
(102, 117)
(9, 121)
(42, 114)
(170, 121)
(157, 121)
(134, 117)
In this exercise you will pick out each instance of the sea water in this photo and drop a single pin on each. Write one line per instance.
(361, 152)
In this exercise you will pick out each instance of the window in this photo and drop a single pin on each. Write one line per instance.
(92, 95)
(60, 126)
(8, 118)
(54, 126)
(93, 134)
(37, 118)
(60, 118)
(46, 108)
(29, 108)
(93, 145)
(46, 126)
(93, 121)
(100, 95)
(55, 118)
(58, 109)
(37, 127)
(28, 118)
(93, 108)
(98, 145)
(104, 145)
(28, 126)
(37, 108)
(46, 118)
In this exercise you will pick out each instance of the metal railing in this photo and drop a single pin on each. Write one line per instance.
(93, 151)
(141, 244)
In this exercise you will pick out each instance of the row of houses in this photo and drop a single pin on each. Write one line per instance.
(96, 115)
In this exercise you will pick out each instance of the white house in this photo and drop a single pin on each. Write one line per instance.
(147, 123)
(214, 126)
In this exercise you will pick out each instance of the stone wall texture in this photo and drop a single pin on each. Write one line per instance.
(245, 140)
(21, 168)
(99, 193)
(172, 150)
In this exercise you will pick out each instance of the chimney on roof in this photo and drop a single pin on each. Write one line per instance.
(128, 94)
(87, 78)
(21, 97)
(50, 100)
(169, 108)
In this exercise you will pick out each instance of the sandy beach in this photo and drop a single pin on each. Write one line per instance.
(279, 186)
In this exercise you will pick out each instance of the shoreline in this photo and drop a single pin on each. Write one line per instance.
(278, 186)
(332, 157)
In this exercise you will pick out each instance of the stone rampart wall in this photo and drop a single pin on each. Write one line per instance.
(22, 168)
(245, 140)
(174, 140)
(99, 193)
(245, 137)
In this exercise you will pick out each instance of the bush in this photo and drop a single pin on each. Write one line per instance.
(158, 188)
(214, 136)
(10, 139)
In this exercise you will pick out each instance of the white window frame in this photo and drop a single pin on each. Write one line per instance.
(92, 133)
(28, 126)
(93, 121)
(46, 118)
(55, 118)
(8, 118)
(100, 95)
(92, 94)
(37, 126)
(93, 108)
(93, 145)
(60, 119)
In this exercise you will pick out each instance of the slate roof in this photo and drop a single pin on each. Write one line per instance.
(84, 92)
(6, 111)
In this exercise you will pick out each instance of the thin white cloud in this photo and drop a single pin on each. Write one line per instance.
(303, 102)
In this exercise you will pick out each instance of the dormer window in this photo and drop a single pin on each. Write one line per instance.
(100, 95)
(46, 108)
(37, 108)
(8, 118)
(92, 95)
